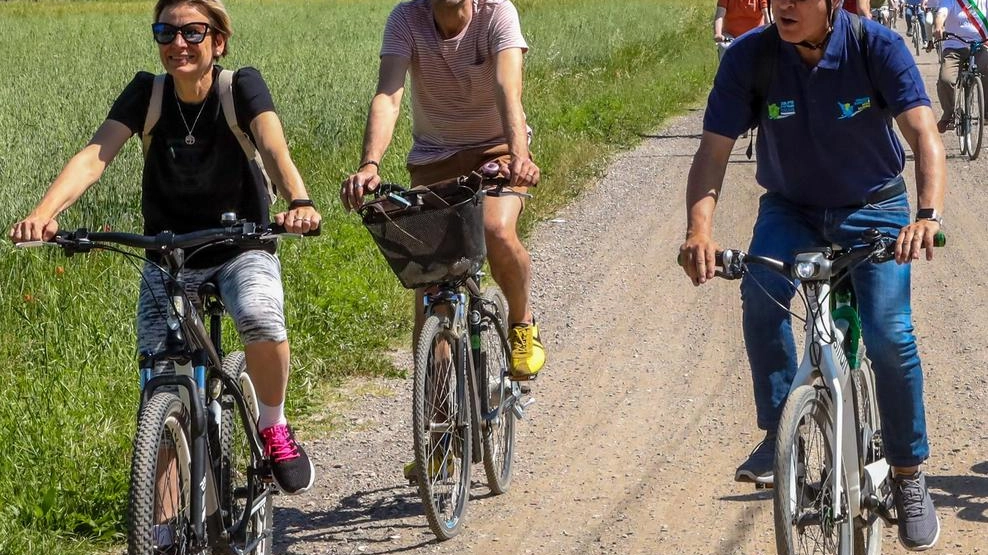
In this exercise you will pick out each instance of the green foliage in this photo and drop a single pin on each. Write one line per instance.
(597, 77)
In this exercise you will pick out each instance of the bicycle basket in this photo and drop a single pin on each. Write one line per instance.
(439, 238)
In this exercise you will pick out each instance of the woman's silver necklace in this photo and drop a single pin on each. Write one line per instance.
(189, 139)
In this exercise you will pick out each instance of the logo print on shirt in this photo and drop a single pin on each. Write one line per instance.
(782, 110)
(850, 109)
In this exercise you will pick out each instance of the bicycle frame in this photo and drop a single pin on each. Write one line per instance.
(467, 308)
(824, 359)
(189, 342)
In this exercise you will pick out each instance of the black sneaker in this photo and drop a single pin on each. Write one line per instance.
(919, 527)
(759, 468)
(290, 466)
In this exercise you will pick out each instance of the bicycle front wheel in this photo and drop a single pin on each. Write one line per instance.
(501, 391)
(247, 501)
(974, 111)
(868, 527)
(805, 522)
(440, 421)
(160, 480)
(916, 35)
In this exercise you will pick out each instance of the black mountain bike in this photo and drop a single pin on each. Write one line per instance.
(200, 481)
(969, 100)
(464, 401)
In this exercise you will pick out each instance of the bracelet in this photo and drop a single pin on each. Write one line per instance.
(368, 163)
(301, 202)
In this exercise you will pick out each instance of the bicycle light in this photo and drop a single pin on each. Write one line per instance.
(806, 270)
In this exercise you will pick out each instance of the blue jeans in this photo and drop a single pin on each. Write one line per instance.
(920, 16)
(883, 292)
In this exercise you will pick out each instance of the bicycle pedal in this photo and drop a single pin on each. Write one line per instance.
(760, 486)
(519, 407)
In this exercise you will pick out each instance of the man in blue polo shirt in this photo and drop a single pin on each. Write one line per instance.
(832, 165)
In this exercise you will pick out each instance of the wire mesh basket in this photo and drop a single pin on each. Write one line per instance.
(430, 235)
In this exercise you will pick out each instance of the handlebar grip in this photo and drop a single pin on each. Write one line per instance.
(940, 239)
(279, 229)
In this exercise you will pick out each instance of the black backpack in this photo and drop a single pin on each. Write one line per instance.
(768, 60)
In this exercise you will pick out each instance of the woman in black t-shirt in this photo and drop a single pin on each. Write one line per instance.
(195, 170)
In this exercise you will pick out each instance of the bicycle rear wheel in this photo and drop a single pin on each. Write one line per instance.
(495, 354)
(160, 480)
(440, 421)
(974, 110)
(804, 478)
(246, 498)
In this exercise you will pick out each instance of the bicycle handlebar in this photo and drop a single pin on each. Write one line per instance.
(490, 175)
(733, 262)
(970, 43)
(240, 233)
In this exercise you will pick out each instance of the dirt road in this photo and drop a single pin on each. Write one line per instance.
(645, 408)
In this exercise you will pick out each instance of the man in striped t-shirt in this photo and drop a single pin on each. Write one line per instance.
(465, 62)
(966, 19)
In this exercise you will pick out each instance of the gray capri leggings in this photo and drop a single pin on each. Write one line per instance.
(250, 285)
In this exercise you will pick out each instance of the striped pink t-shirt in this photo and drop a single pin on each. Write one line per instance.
(453, 82)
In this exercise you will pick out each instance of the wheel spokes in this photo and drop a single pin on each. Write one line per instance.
(445, 443)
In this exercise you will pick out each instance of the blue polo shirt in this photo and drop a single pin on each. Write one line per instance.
(824, 140)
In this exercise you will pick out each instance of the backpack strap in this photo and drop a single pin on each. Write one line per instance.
(767, 60)
(154, 111)
(230, 113)
(860, 33)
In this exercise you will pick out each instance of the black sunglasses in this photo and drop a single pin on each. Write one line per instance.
(193, 33)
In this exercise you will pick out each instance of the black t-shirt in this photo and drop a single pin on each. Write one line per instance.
(187, 187)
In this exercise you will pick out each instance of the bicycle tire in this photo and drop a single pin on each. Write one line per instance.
(803, 478)
(162, 436)
(868, 527)
(238, 491)
(974, 100)
(441, 430)
(963, 132)
(499, 433)
(916, 38)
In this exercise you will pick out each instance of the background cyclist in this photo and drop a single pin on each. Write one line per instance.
(831, 164)
(916, 17)
(194, 171)
(734, 18)
(860, 7)
(465, 61)
(966, 19)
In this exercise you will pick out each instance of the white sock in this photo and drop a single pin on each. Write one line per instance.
(270, 415)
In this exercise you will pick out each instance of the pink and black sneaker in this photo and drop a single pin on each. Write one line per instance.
(290, 466)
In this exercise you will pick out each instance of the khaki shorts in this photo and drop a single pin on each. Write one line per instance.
(461, 163)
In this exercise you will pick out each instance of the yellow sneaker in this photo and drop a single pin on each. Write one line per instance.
(527, 352)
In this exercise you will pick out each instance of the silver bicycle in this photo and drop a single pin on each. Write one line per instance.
(832, 487)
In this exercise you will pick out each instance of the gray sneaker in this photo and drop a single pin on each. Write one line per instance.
(919, 527)
(759, 468)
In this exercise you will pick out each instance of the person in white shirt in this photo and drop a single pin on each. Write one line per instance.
(966, 19)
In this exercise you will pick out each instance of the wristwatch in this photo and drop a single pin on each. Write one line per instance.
(929, 214)
(300, 202)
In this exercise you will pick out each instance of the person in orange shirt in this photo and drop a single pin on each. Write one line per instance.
(860, 7)
(734, 18)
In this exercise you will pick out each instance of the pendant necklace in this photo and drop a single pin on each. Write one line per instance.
(189, 139)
